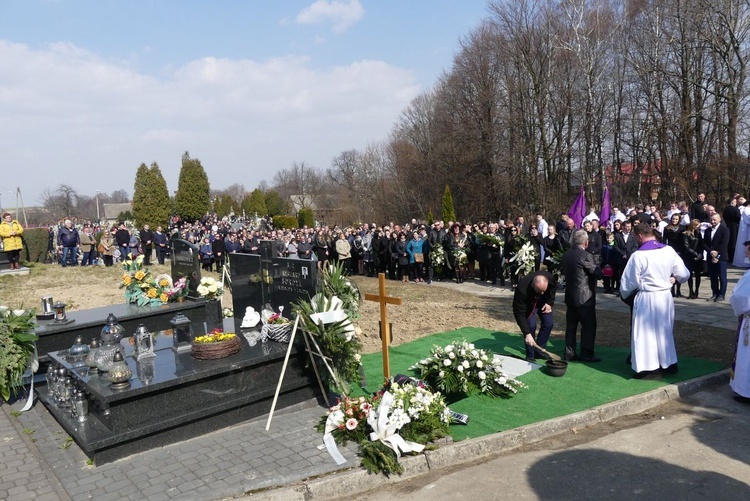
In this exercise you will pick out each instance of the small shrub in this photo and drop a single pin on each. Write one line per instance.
(305, 217)
(284, 222)
(36, 242)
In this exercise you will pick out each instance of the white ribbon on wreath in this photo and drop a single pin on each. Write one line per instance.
(331, 311)
(386, 430)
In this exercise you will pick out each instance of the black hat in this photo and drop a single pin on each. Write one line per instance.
(746, 242)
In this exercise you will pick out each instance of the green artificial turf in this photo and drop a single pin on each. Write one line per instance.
(585, 385)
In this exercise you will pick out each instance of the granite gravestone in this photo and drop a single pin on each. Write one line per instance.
(186, 263)
(293, 279)
(276, 281)
(248, 288)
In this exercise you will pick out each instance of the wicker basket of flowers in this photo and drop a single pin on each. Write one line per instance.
(215, 345)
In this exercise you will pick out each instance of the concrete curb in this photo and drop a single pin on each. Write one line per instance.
(347, 483)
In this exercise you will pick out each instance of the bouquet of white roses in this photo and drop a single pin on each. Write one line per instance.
(210, 288)
(460, 367)
(437, 258)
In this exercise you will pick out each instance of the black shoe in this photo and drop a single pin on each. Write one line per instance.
(672, 369)
(712, 298)
(530, 359)
(719, 299)
(570, 357)
(589, 359)
(648, 375)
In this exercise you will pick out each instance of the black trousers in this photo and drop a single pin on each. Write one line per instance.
(586, 316)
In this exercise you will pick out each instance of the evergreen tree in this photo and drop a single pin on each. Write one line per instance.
(255, 203)
(275, 204)
(151, 203)
(192, 200)
(224, 205)
(449, 213)
(162, 205)
(141, 194)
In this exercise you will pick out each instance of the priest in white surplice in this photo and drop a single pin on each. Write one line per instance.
(743, 234)
(739, 378)
(649, 274)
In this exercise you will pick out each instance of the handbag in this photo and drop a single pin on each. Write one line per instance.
(101, 248)
(418, 257)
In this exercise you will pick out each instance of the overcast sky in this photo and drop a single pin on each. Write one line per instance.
(90, 89)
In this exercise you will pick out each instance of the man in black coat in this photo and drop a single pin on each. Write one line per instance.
(716, 244)
(147, 239)
(581, 274)
(160, 244)
(122, 237)
(535, 295)
(625, 245)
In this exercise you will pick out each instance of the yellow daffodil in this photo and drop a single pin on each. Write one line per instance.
(152, 293)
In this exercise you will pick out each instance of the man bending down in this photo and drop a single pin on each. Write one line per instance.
(535, 295)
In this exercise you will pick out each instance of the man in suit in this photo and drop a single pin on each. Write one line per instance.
(625, 245)
(535, 295)
(581, 274)
(716, 244)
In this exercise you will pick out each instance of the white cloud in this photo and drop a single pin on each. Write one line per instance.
(343, 15)
(70, 116)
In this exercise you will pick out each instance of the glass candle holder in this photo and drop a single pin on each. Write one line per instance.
(119, 373)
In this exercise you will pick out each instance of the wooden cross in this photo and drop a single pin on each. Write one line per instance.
(385, 329)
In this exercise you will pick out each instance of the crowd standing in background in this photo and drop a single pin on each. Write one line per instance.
(705, 240)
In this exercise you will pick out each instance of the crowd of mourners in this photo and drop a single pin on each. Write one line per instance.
(419, 252)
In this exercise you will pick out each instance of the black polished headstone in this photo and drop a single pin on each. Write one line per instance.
(248, 288)
(186, 263)
(293, 279)
(266, 251)
(278, 282)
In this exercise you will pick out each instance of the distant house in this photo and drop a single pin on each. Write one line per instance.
(299, 202)
(111, 211)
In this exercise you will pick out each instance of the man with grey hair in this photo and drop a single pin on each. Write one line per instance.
(68, 240)
(581, 274)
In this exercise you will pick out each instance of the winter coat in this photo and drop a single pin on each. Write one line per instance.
(88, 242)
(67, 237)
(15, 242)
(343, 249)
(414, 247)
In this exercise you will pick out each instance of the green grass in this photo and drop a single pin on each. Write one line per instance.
(583, 386)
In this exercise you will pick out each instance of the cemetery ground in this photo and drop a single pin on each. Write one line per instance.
(704, 331)
(426, 309)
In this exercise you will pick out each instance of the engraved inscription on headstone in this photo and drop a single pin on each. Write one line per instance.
(293, 279)
(186, 263)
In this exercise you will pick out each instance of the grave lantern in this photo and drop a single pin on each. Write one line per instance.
(112, 330)
(60, 316)
(119, 374)
(182, 333)
(143, 343)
